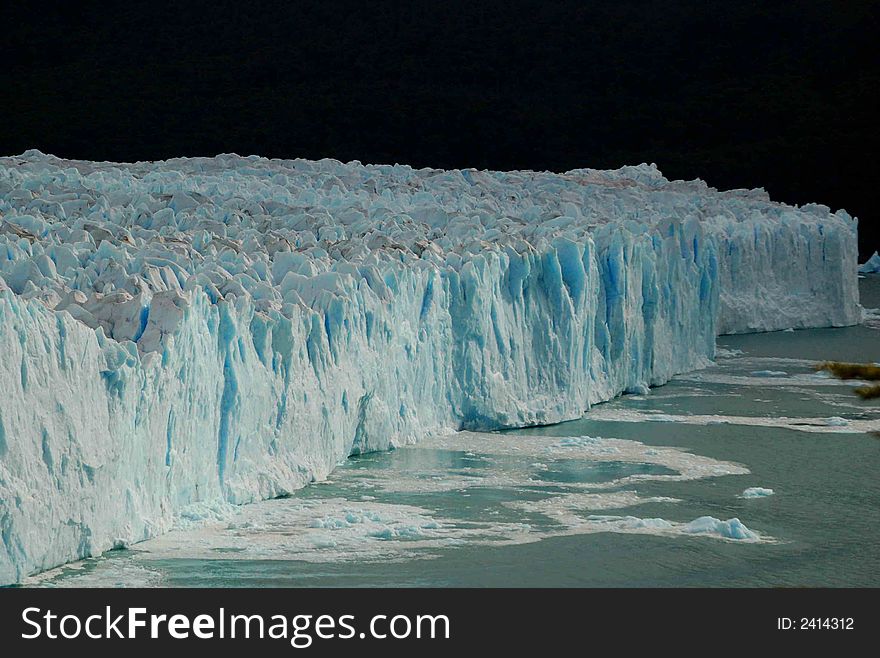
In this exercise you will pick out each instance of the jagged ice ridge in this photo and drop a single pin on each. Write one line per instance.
(205, 331)
(872, 265)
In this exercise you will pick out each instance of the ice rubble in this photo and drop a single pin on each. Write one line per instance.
(490, 471)
(229, 328)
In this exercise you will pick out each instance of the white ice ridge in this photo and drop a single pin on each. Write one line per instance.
(230, 328)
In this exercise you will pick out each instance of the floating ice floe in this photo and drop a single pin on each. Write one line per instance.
(709, 526)
(756, 492)
(833, 424)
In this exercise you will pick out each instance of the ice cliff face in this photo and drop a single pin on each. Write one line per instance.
(181, 334)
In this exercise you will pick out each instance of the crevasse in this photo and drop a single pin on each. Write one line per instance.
(193, 332)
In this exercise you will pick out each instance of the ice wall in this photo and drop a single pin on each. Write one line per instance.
(179, 335)
(795, 271)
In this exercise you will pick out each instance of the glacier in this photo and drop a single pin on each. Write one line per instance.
(872, 265)
(197, 332)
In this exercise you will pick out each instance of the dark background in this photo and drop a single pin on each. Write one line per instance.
(741, 94)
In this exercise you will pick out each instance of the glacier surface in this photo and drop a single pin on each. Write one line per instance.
(222, 330)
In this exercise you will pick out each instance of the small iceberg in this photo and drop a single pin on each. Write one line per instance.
(756, 492)
(730, 529)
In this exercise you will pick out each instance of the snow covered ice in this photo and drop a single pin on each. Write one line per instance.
(181, 335)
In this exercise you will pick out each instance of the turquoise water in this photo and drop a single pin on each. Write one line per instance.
(608, 500)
